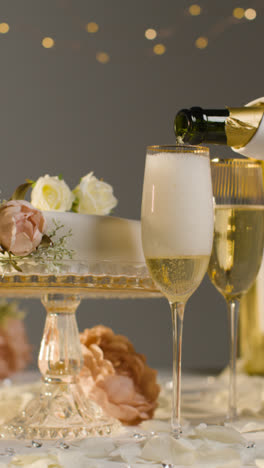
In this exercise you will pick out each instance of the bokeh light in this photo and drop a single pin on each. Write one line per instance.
(159, 49)
(201, 42)
(102, 57)
(48, 42)
(195, 10)
(238, 13)
(4, 28)
(250, 14)
(92, 27)
(151, 34)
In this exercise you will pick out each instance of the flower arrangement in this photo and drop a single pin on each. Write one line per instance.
(15, 352)
(116, 377)
(93, 196)
(23, 228)
(90, 196)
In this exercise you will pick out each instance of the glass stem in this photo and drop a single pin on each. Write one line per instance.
(60, 357)
(177, 313)
(233, 311)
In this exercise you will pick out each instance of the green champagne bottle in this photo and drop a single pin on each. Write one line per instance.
(242, 128)
(197, 125)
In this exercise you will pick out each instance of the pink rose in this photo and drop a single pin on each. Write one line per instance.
(21, 227)
(116, 377)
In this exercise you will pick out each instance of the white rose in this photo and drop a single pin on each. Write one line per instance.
(51, 193)
(94, 196)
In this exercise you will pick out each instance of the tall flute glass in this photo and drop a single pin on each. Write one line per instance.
(177, 234)
(238, 242)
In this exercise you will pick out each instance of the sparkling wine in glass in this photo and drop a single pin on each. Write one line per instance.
(177, 234)
(238, 242)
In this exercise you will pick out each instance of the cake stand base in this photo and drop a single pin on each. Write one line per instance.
(60, 411)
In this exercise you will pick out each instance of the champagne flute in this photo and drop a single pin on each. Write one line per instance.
(177, 235)
(238, 242)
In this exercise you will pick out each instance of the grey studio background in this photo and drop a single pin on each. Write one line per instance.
(63, 111)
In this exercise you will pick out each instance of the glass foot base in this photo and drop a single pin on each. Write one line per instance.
(60, 411)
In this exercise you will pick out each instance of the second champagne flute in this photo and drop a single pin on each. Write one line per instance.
(238, 242)
(177, 235)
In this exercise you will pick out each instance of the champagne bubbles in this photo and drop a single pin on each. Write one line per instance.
(176, 188)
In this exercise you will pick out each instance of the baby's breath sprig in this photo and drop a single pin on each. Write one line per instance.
(51, 252)
(57, 249)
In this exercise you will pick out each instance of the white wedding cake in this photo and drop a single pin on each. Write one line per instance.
(67, 231)
(97, 238)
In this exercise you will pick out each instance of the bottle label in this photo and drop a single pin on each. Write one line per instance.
(242, 124)
(255, 148)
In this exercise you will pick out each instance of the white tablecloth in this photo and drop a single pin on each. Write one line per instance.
(150, 444)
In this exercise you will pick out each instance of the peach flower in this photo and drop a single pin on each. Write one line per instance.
(21, 227)
(116, 377)
(15, 352)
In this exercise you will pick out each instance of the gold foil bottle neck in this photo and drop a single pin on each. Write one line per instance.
(242, 124)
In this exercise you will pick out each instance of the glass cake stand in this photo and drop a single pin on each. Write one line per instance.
(61, 411)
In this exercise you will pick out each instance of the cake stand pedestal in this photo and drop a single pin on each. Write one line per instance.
(61, 411)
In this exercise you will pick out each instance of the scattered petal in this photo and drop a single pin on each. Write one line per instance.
(218, 457)
(36, 461)
(165, 449)
(101, 449)
(128, 452)
(220, 433)
(260, 463)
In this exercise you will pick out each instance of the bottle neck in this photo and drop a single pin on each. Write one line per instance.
(197, 125)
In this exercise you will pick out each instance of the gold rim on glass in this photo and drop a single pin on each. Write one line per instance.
(236, 161)
(202, 150)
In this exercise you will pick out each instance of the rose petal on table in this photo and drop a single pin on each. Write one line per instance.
(145, 465)
(248, 454)
(166, 449)
(245, 426)
(212, 455)
(41, 460)
(99, 447)
(128, 452)
(259, 463)
(102, 464)
(223, 434)
(231, 464)
(70, 459)
(259, 448)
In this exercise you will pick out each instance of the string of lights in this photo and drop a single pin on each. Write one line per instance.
(151, 34)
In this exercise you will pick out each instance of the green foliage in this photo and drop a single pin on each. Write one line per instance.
(9, 310)
(75, 205)
(20, 192)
